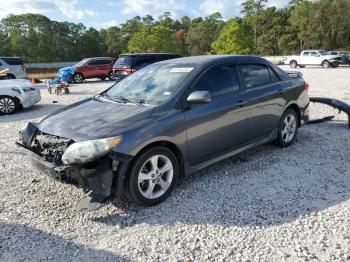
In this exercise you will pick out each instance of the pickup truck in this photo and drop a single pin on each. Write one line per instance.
(310, 57)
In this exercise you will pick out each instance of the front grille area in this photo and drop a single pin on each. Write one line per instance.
(50, 147)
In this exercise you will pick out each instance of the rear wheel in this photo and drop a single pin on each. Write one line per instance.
(153, 176)
(8, 105)
(326, 64)
(288, 128)
(78, 78)
(111, 76)
(293, 64)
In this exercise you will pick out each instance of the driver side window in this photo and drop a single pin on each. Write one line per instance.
(218, 81)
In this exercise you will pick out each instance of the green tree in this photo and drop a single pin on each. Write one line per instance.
(202, 33)
(234, 38)
(153, 39)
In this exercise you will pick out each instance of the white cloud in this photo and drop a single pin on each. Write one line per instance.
(227, 8)
(231, 8)
(177, 8)
(66, 8)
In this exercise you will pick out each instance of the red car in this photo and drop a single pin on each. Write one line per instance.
(97, 67)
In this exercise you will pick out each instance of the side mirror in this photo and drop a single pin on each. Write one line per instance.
(199, 97)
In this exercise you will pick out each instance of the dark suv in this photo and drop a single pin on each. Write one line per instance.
(129, 63)
(169, 119)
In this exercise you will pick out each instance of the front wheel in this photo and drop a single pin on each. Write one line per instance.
(8, 105)
(335, 64)
(153, 176)
(288, 128)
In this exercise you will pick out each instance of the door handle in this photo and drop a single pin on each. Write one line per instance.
(241, 103)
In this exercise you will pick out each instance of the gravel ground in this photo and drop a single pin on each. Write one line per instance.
(267, 204)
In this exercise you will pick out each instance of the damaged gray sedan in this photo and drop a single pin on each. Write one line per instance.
(169, 119)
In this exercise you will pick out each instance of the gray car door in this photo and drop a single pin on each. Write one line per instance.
(220, 125)
(266, 99)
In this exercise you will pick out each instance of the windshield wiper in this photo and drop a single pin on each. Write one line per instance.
(125, 99)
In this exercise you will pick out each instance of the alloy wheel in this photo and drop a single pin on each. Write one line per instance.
(289, 128)
(155, 176)
(78, 78)
(7, 105)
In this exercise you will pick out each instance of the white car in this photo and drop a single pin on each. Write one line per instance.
(16, 94)
(309, 57)
(15, 67)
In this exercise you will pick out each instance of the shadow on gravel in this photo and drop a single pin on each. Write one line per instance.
(37, 111)
(280, 188)
(24, 243)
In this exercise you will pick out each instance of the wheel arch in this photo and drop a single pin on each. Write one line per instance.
(296, 108)
(170, 145)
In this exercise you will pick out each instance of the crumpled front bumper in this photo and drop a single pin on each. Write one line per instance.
(103, 177)
(28, 99)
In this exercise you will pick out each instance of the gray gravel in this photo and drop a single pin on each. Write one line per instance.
(267, 204)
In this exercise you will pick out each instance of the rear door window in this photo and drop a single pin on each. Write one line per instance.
(218, 81)
(273, 75)
(12, 60)
(93, 63)
(103, 62)
(306, 53)
(255, 75)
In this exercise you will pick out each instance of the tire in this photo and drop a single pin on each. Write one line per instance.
(9, 76)
(326, 64)
(78, 78)
(335, 64)
(293, 64)
(146, 184)
(8, 105)
(110, 76)
(288, 128)
(103, 78)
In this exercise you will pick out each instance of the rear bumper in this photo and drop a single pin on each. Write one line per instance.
(305, 114)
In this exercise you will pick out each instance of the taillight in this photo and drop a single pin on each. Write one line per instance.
(306, 86)
(128, 71)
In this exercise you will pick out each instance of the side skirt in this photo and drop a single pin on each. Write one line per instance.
(191, 169)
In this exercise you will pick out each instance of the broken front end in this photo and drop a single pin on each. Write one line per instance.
(92, 165)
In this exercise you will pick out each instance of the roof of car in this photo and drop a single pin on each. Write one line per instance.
(213, 58)
(100, 57)
(133, 54)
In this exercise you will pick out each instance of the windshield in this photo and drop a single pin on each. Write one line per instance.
(152, 85)
(81, 63)
(123, 61)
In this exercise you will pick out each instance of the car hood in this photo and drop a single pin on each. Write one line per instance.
(94, 118)
(15, 83)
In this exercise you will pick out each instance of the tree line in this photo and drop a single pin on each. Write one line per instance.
(260, 30)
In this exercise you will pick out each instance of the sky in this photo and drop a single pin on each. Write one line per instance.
(105, 13)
